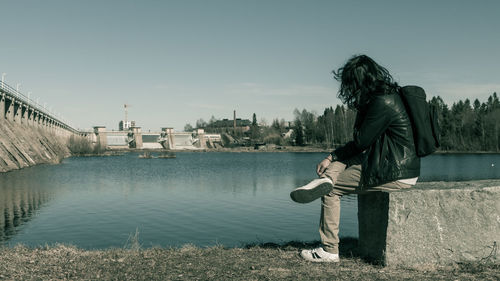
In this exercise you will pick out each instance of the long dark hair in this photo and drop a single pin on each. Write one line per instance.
(361, 77)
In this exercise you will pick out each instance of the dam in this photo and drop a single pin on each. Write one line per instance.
(30, 134)
(20, 109)
(166, 138)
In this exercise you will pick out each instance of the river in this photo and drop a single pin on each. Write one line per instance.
(204, 199)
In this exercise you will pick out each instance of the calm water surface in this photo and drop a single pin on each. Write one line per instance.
(200, 198)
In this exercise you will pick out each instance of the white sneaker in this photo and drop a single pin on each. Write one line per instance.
(319, 255)
(312, 191)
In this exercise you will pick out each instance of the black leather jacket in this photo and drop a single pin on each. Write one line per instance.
(383, 138)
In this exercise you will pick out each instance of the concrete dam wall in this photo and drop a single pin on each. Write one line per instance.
(29, 134)
(23, 146)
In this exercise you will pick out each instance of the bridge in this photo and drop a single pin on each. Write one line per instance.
(18, 108)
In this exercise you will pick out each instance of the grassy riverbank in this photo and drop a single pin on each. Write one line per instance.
(271, 262)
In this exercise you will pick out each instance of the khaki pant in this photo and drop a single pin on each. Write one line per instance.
(346, 181)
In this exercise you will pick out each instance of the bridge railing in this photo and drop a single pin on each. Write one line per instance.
(9, 90)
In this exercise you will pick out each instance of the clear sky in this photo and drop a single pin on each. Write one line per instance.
(178, 61)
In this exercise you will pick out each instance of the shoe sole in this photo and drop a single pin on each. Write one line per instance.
(300, 195)
(322, 260)
(318, 260)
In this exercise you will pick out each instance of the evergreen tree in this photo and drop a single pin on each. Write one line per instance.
(276, 125)
(254, 129)
(298, 133)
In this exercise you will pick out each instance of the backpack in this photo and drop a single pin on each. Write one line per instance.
(423, 118)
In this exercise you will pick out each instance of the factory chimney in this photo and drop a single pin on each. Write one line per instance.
(234, 120)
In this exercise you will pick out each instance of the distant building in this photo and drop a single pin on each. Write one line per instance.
(288, 134)
(125, 126)
(242, 124)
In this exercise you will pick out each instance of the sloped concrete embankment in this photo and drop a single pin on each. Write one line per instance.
(23, 146)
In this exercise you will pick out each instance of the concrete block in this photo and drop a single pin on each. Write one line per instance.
(431, 223)
(102, 141)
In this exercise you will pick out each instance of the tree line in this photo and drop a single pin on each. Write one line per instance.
(465, 126)
(469, 126)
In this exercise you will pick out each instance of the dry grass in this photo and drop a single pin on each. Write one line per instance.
(81, 146)
(133, 241)
(264, 262)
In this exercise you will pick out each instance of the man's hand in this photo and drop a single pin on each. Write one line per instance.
(320, 169)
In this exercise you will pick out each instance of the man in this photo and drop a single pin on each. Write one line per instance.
(381, 156)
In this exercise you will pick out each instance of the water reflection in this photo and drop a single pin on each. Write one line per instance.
(18, 204)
